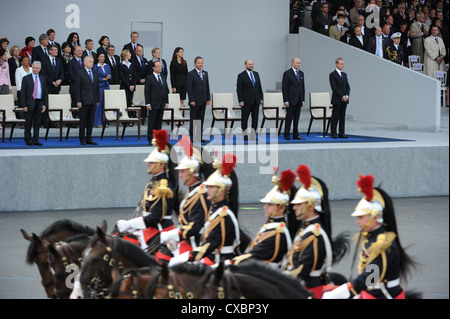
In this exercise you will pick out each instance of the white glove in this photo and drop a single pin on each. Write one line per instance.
(179, 259)
(340, 292)
(77, 292)
(123, 225)
(169, 235)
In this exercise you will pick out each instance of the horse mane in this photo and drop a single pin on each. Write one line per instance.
(135, 253)
(77, 238)
(59, 225)
(195, 269)
(115, 287)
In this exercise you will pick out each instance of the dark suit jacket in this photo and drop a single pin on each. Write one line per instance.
(115, 74)
(94, 55)
(156, 95)
(354, 41)
(322, 24)
(198, 90)
(27, 89)
(141, 71)
(38, 53)
(129, 46)
(52, 75)
(74, 67)
(339, 86)
(372, 44)
(293, 90)
(164, 71)
(127, 76)
(86, 91)
(246, 92)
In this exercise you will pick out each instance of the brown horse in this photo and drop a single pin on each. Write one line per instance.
(105, 258)
(38, 249)
(66, 256)
(250, 280)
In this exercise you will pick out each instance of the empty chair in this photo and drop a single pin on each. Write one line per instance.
(274, 110)
(412, 61)
(442, 76)
(223, 110)
(8, 114)
(320, 108)
(116, 111)
(65, 89)
(174, 112)
(139, 100)
(114, 86)
(60, 111)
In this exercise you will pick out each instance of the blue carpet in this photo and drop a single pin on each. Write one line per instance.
(132, 141)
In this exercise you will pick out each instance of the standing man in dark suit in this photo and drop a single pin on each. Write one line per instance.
(89, 51)
(51, 40)
(134, 37)
(140, 64)
(339, 99)
(75, 65)
(87, 96)
(53, 71)
(114, 62)
(197, 88)
(293, 88)
(34, 101)
(250, 96)
(156, 99)
(39, 53)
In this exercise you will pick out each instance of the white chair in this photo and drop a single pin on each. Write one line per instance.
(273, 109)
(116, 111)
(412, 60)
(320, 108)
(442, 76)
(174, 112)
(65, 89)
(14, 92)
(8, 114)
(139, 100)
(223, 110)
(60, 111)
(114, 86)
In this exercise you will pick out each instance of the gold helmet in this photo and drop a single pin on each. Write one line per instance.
(373, 202)
(192, 158)
(221, 177)
(311, 191)
(161, 153)
(279, 194)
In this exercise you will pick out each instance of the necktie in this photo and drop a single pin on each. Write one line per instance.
(112, 62)
(142, 62)
(45, 50)
(436, 39)
(53, 63)
(200, 75)
(79, 61)
(297, 74)
(134, 48)
(252, 78)
(90, 75)
(159, 80)
(35, 90)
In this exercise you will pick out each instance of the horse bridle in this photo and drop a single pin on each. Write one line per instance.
(69, 256)
(173, 285)
(108, 263)
(226, 283)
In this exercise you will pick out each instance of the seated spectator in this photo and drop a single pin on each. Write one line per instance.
(387, 32)
(104, 42)
(28, 49)
(5, 81)
(14, 63)
(322, 22)
(355, 12)
(357, 40)
(394, 52)
(338, 30)
(4, 42)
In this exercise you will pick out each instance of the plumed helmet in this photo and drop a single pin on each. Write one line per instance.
(279, 194)
(221, 177)
(192, 158)
(373, 202)
(161, 152)
(311, 190)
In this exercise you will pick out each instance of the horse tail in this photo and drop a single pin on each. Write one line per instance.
(340, 246)
(412, 294)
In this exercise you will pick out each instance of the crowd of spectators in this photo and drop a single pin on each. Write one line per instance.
(390, 29)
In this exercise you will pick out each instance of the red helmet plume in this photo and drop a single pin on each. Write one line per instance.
(185, 143)
(228, 163)
(287, 180)
(304, 175)
(365, 185)
(161, 139)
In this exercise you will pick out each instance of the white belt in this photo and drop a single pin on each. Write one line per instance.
(389, 284)
(227, 250)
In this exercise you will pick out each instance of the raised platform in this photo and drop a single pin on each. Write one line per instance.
(406, 163)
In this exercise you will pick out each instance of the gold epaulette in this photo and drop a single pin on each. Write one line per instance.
(377, 248)
(201, 189)
(161, 189)
(224, 212)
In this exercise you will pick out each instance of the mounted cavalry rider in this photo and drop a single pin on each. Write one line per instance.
(273, 240)
(313, 252)
(158, 199)
(222, 235)
(195, 206)
(382, 261)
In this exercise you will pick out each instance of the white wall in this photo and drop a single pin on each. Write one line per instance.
(381, 91)
(223, 32)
